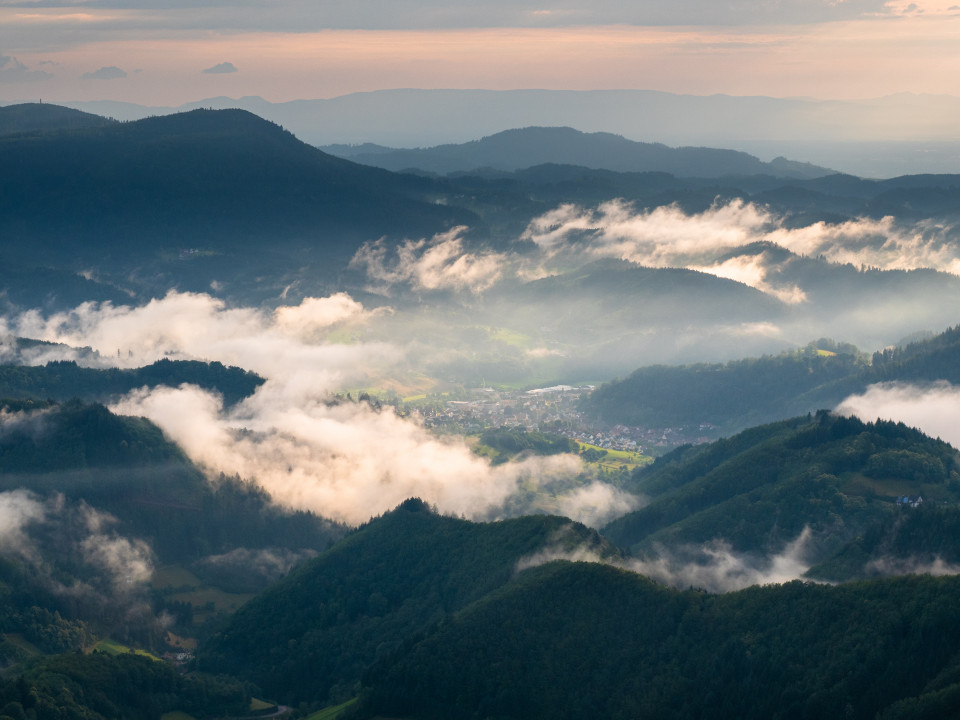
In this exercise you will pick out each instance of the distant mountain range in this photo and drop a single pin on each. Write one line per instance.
(882, 137)
(523, 148)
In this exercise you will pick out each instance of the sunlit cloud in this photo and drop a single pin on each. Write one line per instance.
(933, 408)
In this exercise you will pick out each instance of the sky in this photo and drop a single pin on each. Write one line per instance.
(177, 51)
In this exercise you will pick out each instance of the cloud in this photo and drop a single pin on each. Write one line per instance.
(128, 562)
(911, 566)
(597, 504)
(723, 241)
(343, 460)
(932, 408)
(719, 569)
(14, 71)
(111, 72)
(32, 423)
(441, 263)
(18, 510)
(430, 14)
(220, 69)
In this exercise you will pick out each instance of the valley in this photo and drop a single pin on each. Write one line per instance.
(282, 432)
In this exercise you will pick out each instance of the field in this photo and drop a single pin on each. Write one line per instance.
(614, 460)
(332, 712)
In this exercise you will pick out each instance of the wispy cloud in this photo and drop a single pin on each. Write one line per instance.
(110, 72)
(717, 567)
(441, 263)
(343, 460)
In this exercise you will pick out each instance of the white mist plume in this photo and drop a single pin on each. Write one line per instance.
(198, 326)
(128, 562)
(32, 423)
(912, 566)
(345, 461)
(441, 263)
(18, 510)
(669, 237)
(934, 408)
(597, 504)
(719, 569)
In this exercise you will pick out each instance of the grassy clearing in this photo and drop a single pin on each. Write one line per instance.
(331, 713)
(614, 459)
(256, 704)
(112, 647)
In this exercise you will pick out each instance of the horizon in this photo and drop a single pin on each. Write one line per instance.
(72, 51)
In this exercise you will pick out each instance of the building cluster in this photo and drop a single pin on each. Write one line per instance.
(554, 410)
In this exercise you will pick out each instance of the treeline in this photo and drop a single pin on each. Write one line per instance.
(743, 393)
(583, 640)
(759, 489)
(511, 441)
(65, 380)
(126, 686)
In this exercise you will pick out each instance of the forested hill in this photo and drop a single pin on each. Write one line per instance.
(86, 455)
(310, 636)
(567, 641)
(37, 118)
(531, 146)
(65, 380)
(224, 182)
(742, 393)
(758, 490)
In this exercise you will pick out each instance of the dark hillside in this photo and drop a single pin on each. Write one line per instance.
(223, 182)
(741, 393)
(577, 640)
(759, 489)
(37, 118)
(125, 466)
(312, 635)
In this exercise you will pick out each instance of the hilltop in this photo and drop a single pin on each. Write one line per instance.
(530, 146)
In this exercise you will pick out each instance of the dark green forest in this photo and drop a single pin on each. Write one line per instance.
(65, 380)
(759, 489)
(583, 640)
(742, 393)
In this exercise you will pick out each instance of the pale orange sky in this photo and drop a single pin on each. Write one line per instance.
(157, 57)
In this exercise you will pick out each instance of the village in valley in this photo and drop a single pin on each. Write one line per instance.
(552, 410)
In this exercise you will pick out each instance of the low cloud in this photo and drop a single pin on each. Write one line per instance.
(345, 461)
(932, 408)
(110, 72)
(18, 510)
(717, 567)
(712, 241)
(441, 263)
(911, 566)
(220, 69)
(14, 71)
(597, 504)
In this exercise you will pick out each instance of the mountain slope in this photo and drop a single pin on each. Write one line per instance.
(742, 393)
(226, 183)
(311, 635)
(527, 147)
(580, 640)
(37, 118)
(757, 491)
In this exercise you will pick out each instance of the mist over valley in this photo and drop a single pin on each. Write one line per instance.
(329, 431)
